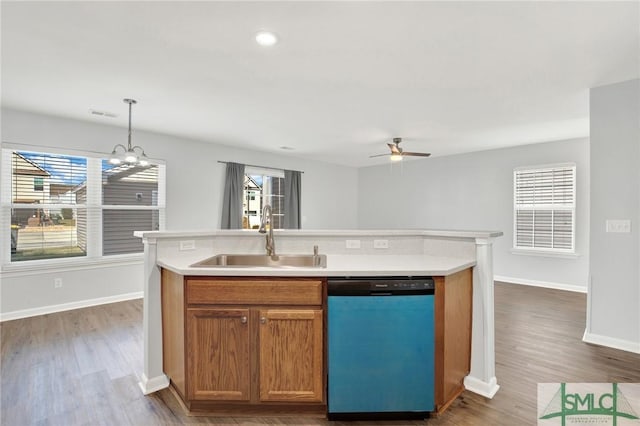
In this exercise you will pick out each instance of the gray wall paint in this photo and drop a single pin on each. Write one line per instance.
(194, 176)
(614, 299)
(194, 195)
(35, 290)
(475, 191)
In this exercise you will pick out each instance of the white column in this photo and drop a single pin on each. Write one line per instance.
(482, 378)
(153, 377)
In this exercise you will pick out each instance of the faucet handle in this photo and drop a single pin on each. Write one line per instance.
(315, 250)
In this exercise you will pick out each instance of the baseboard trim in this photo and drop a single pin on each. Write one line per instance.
(486, 389)
(545, 284)
(611, 342)
(153, 384)
(43, 310)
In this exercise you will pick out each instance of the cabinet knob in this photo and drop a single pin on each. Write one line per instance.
(243, 320)
(263, 320)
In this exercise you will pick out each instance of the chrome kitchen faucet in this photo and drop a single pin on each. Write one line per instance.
(267, 217)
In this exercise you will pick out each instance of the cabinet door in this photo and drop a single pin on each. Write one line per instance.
(291, 360)
(218, 354)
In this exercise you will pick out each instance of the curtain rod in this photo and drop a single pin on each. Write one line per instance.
(262, 167)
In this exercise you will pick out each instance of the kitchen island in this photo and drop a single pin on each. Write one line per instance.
(349, 253)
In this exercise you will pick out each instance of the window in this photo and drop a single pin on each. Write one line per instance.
(130, 201)
(544, 208)
(38, 184)
(44, 209)
(77, 206)
(263, 186)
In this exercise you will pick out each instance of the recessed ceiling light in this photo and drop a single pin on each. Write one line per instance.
(266, 38)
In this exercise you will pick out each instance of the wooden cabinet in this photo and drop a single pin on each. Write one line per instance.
(453, 316)
(234, 345)
(256, 345)
(291, 354)
(218, 357)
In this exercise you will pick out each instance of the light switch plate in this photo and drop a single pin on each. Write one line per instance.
(620, 226)
(187, 245)
(352, 244)
(380, 244)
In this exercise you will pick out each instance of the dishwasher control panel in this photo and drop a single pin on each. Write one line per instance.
(360, 286)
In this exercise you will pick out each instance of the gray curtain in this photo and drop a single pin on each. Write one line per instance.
(232, 199)
(292, 195)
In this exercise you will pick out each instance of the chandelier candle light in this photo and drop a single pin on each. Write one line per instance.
(128, 153)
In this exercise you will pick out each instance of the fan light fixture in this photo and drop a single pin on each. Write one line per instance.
(133, 155)
(397, 153)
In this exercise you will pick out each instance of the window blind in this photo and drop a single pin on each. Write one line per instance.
(76, 206)
(48, 210)
(544, 208)
(123, 187)
(46, 178)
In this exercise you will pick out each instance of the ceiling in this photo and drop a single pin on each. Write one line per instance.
(346, 77)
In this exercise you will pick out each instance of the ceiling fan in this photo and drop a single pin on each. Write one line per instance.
(397, 153)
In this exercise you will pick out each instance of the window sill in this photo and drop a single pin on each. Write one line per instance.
(37, 267)
(541, 253)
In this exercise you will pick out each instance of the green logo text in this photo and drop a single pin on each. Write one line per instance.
(612, 404)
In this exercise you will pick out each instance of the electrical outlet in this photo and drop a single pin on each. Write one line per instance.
(620, 226)
(187, 245)
(380, 244)
(57, 282)
(353, 244)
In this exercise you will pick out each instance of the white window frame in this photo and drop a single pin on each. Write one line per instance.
(551, 251)
(93, 207)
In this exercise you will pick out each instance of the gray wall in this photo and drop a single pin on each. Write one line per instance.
(194, 197)
(614, 295)
(475, 191)
(194, 176)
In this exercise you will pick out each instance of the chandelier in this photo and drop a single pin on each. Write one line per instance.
(133, 155)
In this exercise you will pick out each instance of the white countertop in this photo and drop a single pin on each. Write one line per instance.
(339, 265)
(446, 233)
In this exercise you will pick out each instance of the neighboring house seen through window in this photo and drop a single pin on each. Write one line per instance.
(261, 187)
(545, 208)
(44, 206)
(129, 203)
(72, 206)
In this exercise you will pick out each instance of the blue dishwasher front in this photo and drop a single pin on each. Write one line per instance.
(380, 348)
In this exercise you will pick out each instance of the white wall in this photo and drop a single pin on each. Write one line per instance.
(194, 185)
(475, 191)
(613, 316)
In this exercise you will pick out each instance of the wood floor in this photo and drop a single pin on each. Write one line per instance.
(80, 367)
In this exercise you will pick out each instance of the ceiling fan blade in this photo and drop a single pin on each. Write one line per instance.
(417, 154)
(379, 155)
(394, 148)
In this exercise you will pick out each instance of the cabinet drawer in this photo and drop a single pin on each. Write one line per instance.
(254, 292)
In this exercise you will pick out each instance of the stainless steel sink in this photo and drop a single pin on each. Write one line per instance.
(261, 260)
